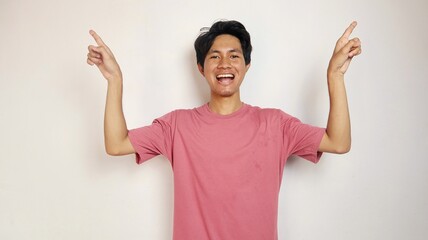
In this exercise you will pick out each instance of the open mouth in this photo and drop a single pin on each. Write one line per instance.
(225, 78)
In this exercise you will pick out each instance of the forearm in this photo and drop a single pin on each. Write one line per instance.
(338, 125)
(115, 129)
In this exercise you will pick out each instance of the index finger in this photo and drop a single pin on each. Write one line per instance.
(97, 38)
(349, 30)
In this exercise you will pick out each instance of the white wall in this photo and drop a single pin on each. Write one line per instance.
(56, 182)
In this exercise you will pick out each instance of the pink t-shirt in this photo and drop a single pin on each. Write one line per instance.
(227, 169)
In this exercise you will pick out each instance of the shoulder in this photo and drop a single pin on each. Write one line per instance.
(178, 114)
(187, 112)
(270, 113)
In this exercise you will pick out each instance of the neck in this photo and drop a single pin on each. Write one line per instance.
(225, 105)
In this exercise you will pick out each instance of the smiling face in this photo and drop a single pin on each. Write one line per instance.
(224, 67)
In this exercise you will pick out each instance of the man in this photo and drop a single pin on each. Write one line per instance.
(227, 156)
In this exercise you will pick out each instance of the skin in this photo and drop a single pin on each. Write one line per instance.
(225, 57)
(116, 139)
(337, 138)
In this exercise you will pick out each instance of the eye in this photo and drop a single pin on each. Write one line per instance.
(214, 57)
(234, 56)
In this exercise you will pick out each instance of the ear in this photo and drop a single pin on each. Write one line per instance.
(247, 67)
(201, 69)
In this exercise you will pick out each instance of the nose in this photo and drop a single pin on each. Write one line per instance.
(224, 63)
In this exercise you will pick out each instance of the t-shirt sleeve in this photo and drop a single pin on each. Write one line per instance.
(301, 139)
(154, 139)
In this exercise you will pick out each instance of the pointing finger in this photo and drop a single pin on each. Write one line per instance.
(97, 38)
(349, 30)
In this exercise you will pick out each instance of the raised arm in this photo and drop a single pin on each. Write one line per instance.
(115, 131)
(337, 138)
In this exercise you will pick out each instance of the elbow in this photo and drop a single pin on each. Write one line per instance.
(335, 146)
(343, 149)
(118, 148)
(112, 151)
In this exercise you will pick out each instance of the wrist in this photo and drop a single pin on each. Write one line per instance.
(115, 80)
(335, 76)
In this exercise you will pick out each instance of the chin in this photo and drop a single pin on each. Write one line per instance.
(225, 93)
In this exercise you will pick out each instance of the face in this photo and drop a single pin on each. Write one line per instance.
(224, 66)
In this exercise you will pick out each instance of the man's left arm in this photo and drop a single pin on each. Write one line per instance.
(337, 138)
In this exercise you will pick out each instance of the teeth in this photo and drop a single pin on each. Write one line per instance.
(225, 76)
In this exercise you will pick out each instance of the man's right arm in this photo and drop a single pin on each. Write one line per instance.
(116, 138)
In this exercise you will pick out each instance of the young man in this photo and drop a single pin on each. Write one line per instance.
(227, 156)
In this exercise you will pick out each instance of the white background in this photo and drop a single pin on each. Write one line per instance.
(56, 181)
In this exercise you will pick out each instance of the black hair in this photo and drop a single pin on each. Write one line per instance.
(206, 39)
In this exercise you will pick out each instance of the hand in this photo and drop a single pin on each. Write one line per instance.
(103, 58)
(344, 51)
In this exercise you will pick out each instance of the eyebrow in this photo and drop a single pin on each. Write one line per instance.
(229, 51)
